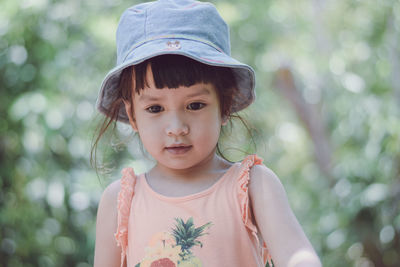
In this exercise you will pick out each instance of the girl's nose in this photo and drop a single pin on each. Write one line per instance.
(176, 126)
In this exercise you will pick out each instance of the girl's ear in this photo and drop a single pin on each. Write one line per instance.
(129, 112)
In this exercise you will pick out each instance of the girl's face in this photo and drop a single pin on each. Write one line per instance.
(178, 127)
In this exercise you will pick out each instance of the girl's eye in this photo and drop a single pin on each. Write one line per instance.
(195, 106)
(154, 109)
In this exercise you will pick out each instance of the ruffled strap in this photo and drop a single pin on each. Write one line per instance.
(125, 196)
(243, 195)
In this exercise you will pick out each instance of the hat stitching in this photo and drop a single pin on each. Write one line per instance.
(212, 60)
(191, 6)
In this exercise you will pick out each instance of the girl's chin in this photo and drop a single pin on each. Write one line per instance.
(183, 159)
(177, 162)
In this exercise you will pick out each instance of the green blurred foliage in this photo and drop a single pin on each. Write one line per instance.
(345, 60)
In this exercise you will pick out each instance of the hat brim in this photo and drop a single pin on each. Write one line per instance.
(197, 50)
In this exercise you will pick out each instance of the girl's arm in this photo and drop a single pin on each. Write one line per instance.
(107, 253)
(285, 239)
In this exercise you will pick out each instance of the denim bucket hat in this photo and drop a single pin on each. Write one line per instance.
(182, 27)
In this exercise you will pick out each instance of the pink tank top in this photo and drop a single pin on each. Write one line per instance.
(211, 228)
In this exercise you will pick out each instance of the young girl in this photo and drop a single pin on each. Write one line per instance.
(176, 84)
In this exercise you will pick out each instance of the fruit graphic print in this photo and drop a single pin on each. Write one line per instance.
(173, 249)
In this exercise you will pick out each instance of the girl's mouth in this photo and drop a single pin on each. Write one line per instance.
(178, 150)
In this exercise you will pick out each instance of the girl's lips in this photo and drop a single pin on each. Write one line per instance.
(178, 150)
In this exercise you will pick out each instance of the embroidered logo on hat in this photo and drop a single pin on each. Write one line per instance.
(173, 45)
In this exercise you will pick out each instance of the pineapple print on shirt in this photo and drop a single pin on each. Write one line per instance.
(167, 249)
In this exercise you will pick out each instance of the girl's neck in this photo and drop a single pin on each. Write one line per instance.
(213, 166)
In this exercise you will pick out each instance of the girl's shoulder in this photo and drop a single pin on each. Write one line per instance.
(265, 185)
(109, 196)
(262, 175)
(257, 173)
(116, 195)
(123, 186)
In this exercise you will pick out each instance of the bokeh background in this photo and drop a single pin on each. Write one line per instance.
(327, 120)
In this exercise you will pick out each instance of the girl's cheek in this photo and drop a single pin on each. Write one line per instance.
(149, 124)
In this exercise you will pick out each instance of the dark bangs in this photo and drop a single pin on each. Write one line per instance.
(173, 71)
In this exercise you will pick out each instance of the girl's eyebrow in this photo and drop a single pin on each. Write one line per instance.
(144, 97)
